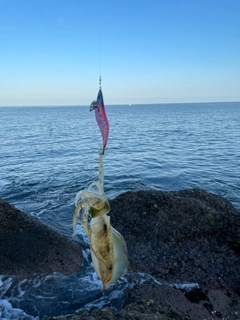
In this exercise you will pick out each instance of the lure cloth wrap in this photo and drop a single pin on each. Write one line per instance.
(101, 117)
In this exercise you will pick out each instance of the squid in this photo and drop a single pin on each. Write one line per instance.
(108, 247)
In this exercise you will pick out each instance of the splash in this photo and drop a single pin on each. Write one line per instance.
(8, 312)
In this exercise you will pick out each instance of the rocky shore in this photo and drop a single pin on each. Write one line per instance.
(28, 247)
(187, 236)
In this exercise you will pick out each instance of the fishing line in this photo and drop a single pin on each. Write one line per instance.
(100, 58)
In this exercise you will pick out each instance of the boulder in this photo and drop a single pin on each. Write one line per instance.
(181, 236)
(187, 236)
(28, 247)
(195, 304)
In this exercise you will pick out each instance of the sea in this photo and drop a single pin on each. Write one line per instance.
(48, 154)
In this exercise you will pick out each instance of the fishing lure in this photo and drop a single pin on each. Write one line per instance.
(108, 247)
(101, 117)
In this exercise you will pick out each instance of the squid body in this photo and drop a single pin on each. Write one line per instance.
(108, 248)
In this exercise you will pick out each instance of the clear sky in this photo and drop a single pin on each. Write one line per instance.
(147, 51)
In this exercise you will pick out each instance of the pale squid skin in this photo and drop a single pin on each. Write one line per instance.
(108, 248)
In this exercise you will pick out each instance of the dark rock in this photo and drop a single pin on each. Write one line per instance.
(28, 247)
(194, 304)
(197, 234)
(196, 295)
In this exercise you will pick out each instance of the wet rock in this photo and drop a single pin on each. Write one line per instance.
(28, 247)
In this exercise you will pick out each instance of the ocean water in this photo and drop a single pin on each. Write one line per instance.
(48, 154)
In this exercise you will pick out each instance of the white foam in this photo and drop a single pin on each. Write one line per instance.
(5, 283)
(81, 231)
(20, 290)
(38, 214)
(185, 286)
(144, 277)
(7, 312)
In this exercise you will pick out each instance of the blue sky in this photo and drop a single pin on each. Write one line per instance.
(147, 51)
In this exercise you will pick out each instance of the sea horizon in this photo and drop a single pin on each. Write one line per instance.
(116, 104)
